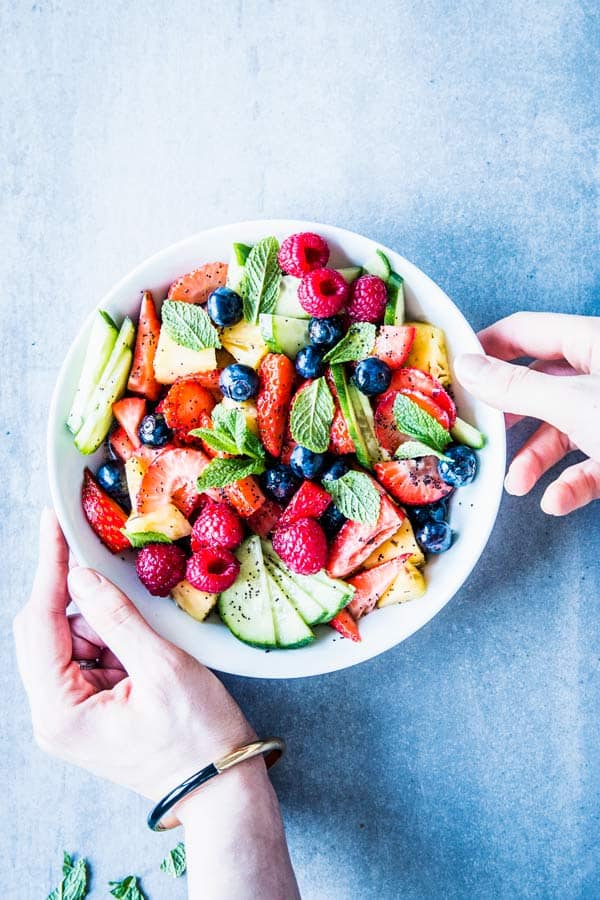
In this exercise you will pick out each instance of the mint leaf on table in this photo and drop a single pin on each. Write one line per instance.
(414, 449)
(139, 539)
(221, 472)
(356, 497)
(126, 889)
(230, 433)
(357, 343)
(74, 882)
(311, 416)
(189, 325)
(174, 862)
(418, 424)
(262, 279)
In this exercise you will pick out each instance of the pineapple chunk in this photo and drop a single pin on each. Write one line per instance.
(408, 585)
(403, 541)
(172, 360)
(245, 342)
(135, 468)
(195, 603)
(248, 407)
(167, 520)
(428, 351)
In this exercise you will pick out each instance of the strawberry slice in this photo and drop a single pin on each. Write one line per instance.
(104, 515)
(429, 405)
(388, 434)
(340, 441)
(416, 380)
(129, 413)
(141, 379)
(277, 375)
(245, 496)
(355, 541)
(120, 444)
(309, 502)
(197, 285)
(414, 482)
(372, 584)
(346, 625)
(187, 405)
(172, 477)
(393, 344)
(264, 520)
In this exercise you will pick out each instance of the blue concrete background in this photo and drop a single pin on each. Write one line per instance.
(464, 763)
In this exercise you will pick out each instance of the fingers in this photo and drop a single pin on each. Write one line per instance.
(575, 487)
(538, 454)
(545, 336)
(87, 644)
(116, 620)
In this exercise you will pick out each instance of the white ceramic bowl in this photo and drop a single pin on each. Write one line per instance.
(472, 518)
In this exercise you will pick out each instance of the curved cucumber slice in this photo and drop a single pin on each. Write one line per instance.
(246, 607)
(310, 610)
(358, 414)
(463, 433)
(331, 594)
(287, 302)
(236, 266)
(100, 345)
(378, 264)
(395, 310)
(99, 415)
(290, 629)
(351, 273)
(282, 334)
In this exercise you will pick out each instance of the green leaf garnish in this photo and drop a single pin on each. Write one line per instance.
(218, 440)
(262, 278)
(189, 325)
(356, 497)
(418, 424)
(127, 889)
(357, 343)
(311, 416)
(174, 862)
(414, 449)
(221, 472)
(74, 882)
(139, 539)
(230, 434)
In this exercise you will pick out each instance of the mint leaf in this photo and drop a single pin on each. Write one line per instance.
(261, 281)
(221, 472)
(224, 419)
(230, 433)
(356, 497)
(189, 325)
(311, 416)
(418, 424)
(74, 883)
(357, 343)
(246, 440)
(127, 889)
(218, 440)
(174, 862)
(414, 449)
(139, 539)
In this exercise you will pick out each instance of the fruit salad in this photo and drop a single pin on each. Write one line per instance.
(281, 441)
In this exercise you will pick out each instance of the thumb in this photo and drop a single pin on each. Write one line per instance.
(116, 620)
(518, 389)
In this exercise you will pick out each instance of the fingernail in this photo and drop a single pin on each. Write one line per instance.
(81, 581)
(470, 366)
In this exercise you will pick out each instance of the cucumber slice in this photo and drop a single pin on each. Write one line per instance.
(245, 607)
(331, 594)
(236, 266)
(341, 386)
(351, 273)
(310, 610)
(378, 264)
(282, 334)
(290, 629)
(287, 302)
(363, 416)
(463, 433)
(102, 340)
(395, 310)
(99, 414)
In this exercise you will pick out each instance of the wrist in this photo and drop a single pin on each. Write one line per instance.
(226, 796)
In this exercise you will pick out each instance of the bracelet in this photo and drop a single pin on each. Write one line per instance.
(272, 749)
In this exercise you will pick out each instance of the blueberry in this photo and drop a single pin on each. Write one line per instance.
(154, 431)
(461, 469)
(325, 332)
(280, 482)
(434, 537)
(111, 478)
(334, 471)
(309, 362)
(239, 382)
(433, 512)
(224, 306)
(372, 376)
(305, 463)
(332, 520)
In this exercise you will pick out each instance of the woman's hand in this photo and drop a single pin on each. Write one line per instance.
(561, 387)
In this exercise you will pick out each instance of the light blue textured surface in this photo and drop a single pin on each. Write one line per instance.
(464, 763)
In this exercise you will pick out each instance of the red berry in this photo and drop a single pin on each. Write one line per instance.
(160, 567)
(301, 253)
(212, 569)
(302, 546)
(309, 502)
(217, 526)
(368, 300)
(323, 292)
(104, 515)
(277, 375)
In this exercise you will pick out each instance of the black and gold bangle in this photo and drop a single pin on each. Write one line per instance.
(271, 748)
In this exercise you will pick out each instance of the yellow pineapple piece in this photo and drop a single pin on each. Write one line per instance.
(195, 603)
(167, 520)
(408, 585)
(403, 541)
(248, 407)
(245, 342)
(428, 351)
(172, 361)
(135, 468)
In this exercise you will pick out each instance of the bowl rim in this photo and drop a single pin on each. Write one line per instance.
(357, 652)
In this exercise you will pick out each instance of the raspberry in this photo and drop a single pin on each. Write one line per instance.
(369, 297)
(301, 253)
(323, 293)
(302, 546)
(212, 569)
(217, 526)
(160, 567)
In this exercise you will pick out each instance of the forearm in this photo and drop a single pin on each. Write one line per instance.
(234, 837)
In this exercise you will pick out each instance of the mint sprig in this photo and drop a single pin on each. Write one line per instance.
(356, 497)
(418, 424)
(415, 449)
(230, 434)
(174, 863)
(311, 416)
(139, 539)
(73, 885)
(189, 325)
(262, 278)
(221, 472)
(357, 343)
(126, 889)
